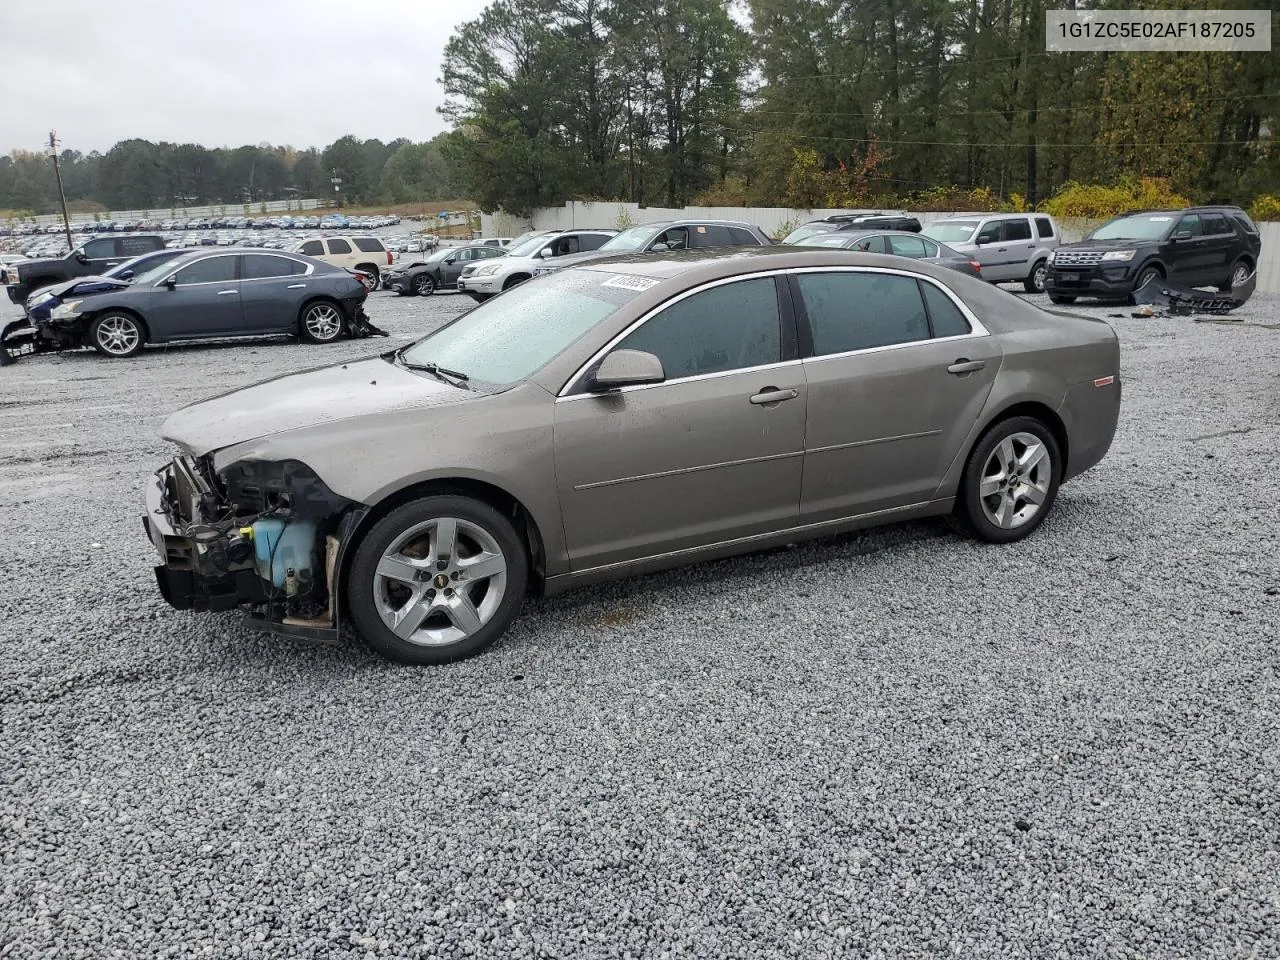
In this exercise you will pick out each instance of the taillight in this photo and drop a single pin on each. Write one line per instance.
(390, 258)
(976, 266)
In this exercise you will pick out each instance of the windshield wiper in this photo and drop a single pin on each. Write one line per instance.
(437, 371)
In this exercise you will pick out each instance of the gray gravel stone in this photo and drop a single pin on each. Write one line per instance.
(887, 745)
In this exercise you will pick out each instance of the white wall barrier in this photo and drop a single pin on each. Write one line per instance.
(613, 215)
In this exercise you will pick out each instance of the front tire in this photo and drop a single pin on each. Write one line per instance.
(1145, 275)
(1034, 283)
(424, 285)
(1011, 480)
(117, 334)
(437, 580)
(321, 322)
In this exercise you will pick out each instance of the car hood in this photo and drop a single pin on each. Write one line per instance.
(573, 259)
(83, 285)
(307, 399)
(1107, 244)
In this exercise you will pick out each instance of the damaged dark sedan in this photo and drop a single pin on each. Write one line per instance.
(623, 416)
(204, 295)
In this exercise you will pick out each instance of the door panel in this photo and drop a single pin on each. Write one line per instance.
(993, 254)
(192, 312)
(678, 465)
(884, 426)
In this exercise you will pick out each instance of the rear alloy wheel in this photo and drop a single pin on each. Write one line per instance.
(437, 580)
(1011, 480)
(424, 285)
(117, 335)
(1035, 279)
(1239, 274)
(369, 277)
(321, 322)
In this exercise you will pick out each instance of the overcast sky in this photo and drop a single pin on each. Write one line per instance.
(222, 72)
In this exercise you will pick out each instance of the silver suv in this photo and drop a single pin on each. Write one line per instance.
(1010, 246)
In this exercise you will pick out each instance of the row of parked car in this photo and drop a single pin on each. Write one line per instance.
(278, 222)
(1203, 246)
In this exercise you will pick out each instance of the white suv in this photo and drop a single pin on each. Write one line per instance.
(484, 280)
(369, 255)
(1010, 246)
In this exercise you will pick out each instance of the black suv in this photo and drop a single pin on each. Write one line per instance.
(89, 259)
(853, 221)
(1197, 247)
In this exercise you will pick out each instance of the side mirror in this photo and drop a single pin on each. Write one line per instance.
(625, 368)
(1182, 235)
(81, 257)
(169, 282)
(546, 252)
(659, 247)
(982, 241)
(125, 275)
(450, 259)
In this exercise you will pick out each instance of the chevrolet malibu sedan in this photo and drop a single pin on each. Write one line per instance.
(211, 294)
(622, 416)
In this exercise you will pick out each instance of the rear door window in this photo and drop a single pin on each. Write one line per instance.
(592, 241)
(1019, 229)
(859, 311)
(728, 327)
(712, 235)
(907, 246)
(1215, 224)
(338, 247)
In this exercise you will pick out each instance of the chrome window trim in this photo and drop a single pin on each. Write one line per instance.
(310, 267)
(976, 328)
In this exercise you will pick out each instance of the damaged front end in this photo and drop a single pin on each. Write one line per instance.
(19, 339)
(261, 535)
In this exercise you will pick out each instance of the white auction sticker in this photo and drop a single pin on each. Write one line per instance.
(1157, 30)
(625, 282)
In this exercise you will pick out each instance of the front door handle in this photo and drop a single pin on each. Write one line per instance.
(963, 366)
(774, 395)
(223, 293)
(296, 286)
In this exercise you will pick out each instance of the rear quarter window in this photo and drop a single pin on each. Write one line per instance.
(743, 238)
(370, 245)
(1044, 227)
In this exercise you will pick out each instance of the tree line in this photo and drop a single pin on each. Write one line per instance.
(834, 102)
(139, 174)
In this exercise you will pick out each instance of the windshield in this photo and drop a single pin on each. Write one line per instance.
(1146, 227)
(632, 239)
(139, 263)
(800, 234)
(441, 254)
(508, 338)
(951, 231)
(527, 248)
(828, 240)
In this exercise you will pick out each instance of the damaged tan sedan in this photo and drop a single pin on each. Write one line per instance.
(623, 416)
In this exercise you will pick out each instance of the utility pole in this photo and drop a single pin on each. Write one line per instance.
(337, 188)
(57, 172)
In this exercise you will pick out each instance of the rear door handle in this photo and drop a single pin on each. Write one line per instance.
(963, 366)
(774, 395)
(223, 293)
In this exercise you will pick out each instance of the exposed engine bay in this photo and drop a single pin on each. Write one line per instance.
(264, 535)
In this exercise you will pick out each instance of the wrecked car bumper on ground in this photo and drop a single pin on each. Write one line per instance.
(265, 537)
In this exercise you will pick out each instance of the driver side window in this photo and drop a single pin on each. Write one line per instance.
(989, 233)
(676, 238)
(1190, 223)
(100, 249)
(728, 327)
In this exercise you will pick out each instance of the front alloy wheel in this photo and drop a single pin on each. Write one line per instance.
(116, 335)
(1011, 480)
(437, 580)
(321, 323)
(424, 285)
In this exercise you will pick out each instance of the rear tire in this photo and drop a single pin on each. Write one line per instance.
(321, 322)
(1011, 480)
(117, 334)
(449, 570)
(369, 276)
(1034, 283)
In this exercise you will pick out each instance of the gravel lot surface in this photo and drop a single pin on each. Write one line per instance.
(895, 744)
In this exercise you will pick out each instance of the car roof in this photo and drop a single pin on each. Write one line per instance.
(713, 263)
(696, 220)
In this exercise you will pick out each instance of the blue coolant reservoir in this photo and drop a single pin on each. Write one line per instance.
(280, 547)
